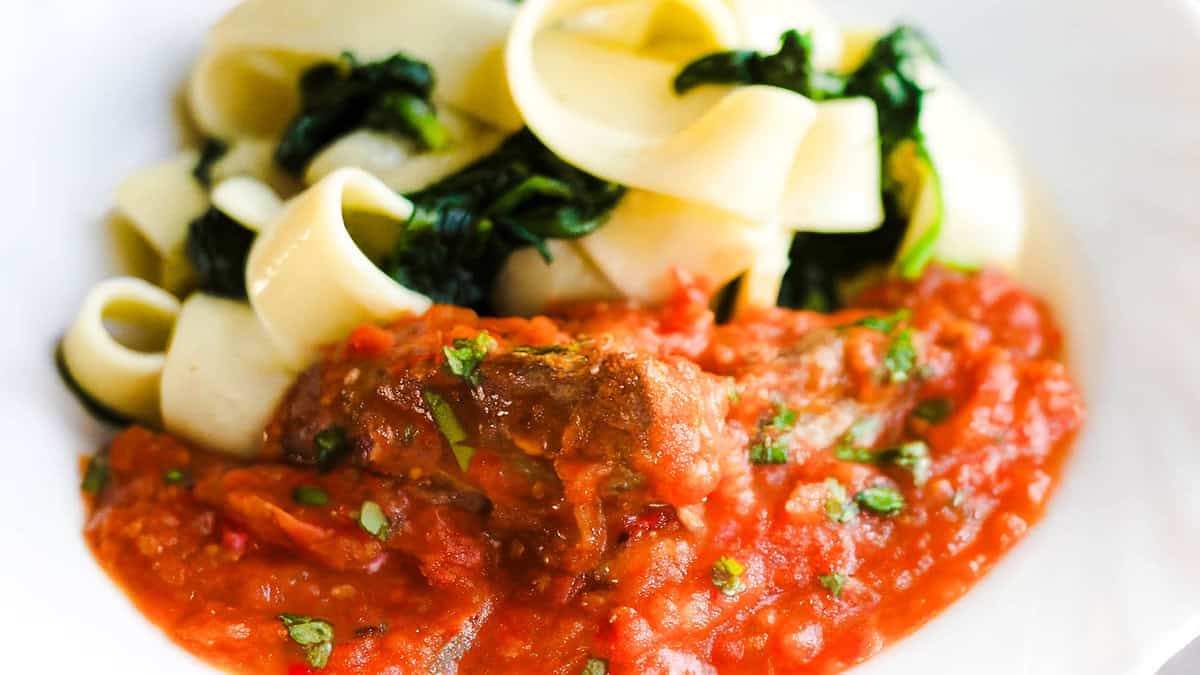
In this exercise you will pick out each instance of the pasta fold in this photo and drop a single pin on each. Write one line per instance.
(222, 376)
(306, 276)
(246, 81)
(114, 348)
(528, 285)
(610, 109)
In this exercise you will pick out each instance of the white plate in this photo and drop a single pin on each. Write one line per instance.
(1101, 97)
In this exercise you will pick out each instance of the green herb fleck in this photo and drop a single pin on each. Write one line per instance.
(769, 451)
(884, 324)
(329, 442)
(177, 477)
(545, 350)
(464, 357)
(933, 410)
(734, 396)
(594, 666)
(310, 495)
(784, 419)
(850, 453)
(833, 582)
(211, 151)
(880, 499)
(839, 507)
(901, 357)
(914, 457)
(727, 576)
(452, 430)
(373, 520)
(314, 635)
(96, 475)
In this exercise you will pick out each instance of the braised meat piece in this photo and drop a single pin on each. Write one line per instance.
(557, 446)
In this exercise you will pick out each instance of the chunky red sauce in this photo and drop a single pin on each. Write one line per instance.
(610, 509)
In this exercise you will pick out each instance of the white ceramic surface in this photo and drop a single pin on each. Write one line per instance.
(1101, 98)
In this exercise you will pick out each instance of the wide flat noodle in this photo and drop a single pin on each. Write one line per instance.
(527, 285)
(648, 236)
(309, 281)
(222, 376)
(245, 83)
(114, 348)
(160, 201)
(398, 162)
(608, 107)
(984, 219)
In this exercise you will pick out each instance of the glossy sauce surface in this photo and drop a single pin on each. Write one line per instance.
(610, 472)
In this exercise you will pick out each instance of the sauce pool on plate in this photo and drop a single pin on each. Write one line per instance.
(614, 489)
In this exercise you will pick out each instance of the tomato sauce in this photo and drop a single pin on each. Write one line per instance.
(787, 492)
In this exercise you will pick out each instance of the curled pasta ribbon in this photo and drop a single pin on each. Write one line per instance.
(247, 200)
(528, 285)
(120, 367)
(307, 278)
(159, 201)
(221, 366)
(245, 82)
(609, 108)
(398, 162)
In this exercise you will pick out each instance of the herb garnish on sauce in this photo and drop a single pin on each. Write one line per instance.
(833, 582)
(880, 499)
(314, 635)
(451, 428)
(464, 356)
(727, 575)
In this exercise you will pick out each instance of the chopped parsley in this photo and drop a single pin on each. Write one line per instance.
(594, 666)
(901, 357)
(177, 477)
(329, 442)
(773, 448)
(833, 582)
(452, 430)
(769, 451)
(96, 475)
(914, 457)
(735, 397)
(884, 324)
(839, 507)
(314, 635)
(373, 520)
(784, 420)
(310, 495)
(880, 499)
(544, 350)
(464, 357)
(727, 576)
(933, 410)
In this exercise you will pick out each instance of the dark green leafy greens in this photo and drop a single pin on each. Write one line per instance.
(465, 226)
(315, 636)
(789, 68)
(217, 247)
(889, 76)
(337, 98)
(211, 151)
(330, 444)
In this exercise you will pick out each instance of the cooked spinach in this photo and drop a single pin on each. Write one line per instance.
(465, 225)
(211, 151)
(889, 77)
(337, 98)
(789, 68)
(217, 247)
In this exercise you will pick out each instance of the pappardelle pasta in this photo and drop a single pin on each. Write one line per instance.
(531, 309)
